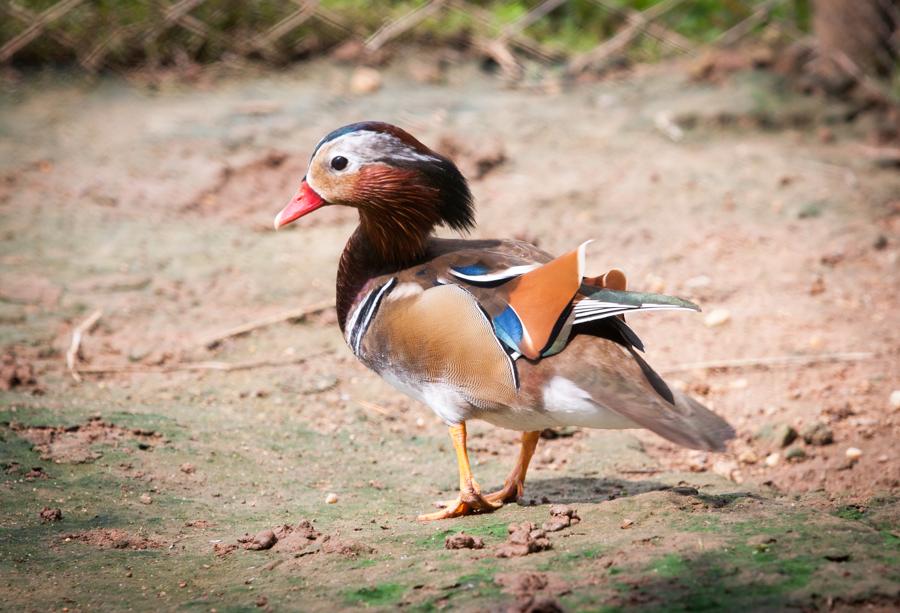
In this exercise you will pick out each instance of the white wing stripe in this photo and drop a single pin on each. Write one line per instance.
(596, 303)
(506, 273)
(581, 317)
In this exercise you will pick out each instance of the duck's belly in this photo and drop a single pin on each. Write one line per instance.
(563, 404)
(445, 400)
(529, 421)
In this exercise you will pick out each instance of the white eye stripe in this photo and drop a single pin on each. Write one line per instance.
(360, 148)
(365, 146)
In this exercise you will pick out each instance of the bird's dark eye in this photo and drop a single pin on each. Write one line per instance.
(339, 162)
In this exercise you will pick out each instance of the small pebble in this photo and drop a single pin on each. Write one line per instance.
(697, 282)
(795, 454)
(818, 434)
(264, 539)
(654, 283)
(146, 499)
(748, 457)
(627, 523)
(772, 459)
(853, 453)
(895, 399)
(778, 434)
(717, 317)
(784, 434)
(365, 80)
(331, 498)
(725, 468)
(817, 286)
(739, 384)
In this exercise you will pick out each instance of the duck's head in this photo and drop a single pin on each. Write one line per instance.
(401, 188)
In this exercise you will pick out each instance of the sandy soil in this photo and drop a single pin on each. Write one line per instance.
(154, 205)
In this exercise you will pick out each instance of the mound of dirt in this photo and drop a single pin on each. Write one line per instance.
(300, 539)
(14, 468)
(51, 515)
(73, 444)
(114, 538)
(523, 539)
(533, 590)
(15, 372)
(461, 540)
(561, 516)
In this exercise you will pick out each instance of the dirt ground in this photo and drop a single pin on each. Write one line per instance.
(170, 483)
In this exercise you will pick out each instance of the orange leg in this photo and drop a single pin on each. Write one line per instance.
(514, 485)
(470, 499)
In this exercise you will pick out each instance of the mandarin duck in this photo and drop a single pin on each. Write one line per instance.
(496, 330)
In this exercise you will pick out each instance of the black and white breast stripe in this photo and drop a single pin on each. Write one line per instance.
(365, 313)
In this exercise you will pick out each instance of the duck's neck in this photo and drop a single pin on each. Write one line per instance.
(373, 250)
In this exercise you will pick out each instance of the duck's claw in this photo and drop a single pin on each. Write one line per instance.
(468, 503)
(510, 492)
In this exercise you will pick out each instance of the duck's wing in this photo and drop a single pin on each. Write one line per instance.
(536, 304)
(596, 381)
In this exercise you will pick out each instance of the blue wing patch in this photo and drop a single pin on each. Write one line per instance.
(508, 328)
(470, 270)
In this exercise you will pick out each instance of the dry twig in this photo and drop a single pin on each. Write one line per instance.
(872, 87)
(518, 40)
(36, 28)
(397, 27)
(654, 30)
(745, 27)
(616, 46)
(292, 315)
(265, 42)
(373, 407)
(779, 360)
(75, 346)
(883, 156)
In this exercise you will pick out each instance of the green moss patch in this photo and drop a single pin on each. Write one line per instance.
(382, 594)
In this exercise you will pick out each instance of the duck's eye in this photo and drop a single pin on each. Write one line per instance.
(339, 162)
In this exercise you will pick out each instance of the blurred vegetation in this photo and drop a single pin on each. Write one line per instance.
(128, 32)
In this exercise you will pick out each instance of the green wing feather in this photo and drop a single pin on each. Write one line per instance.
(634, 300)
